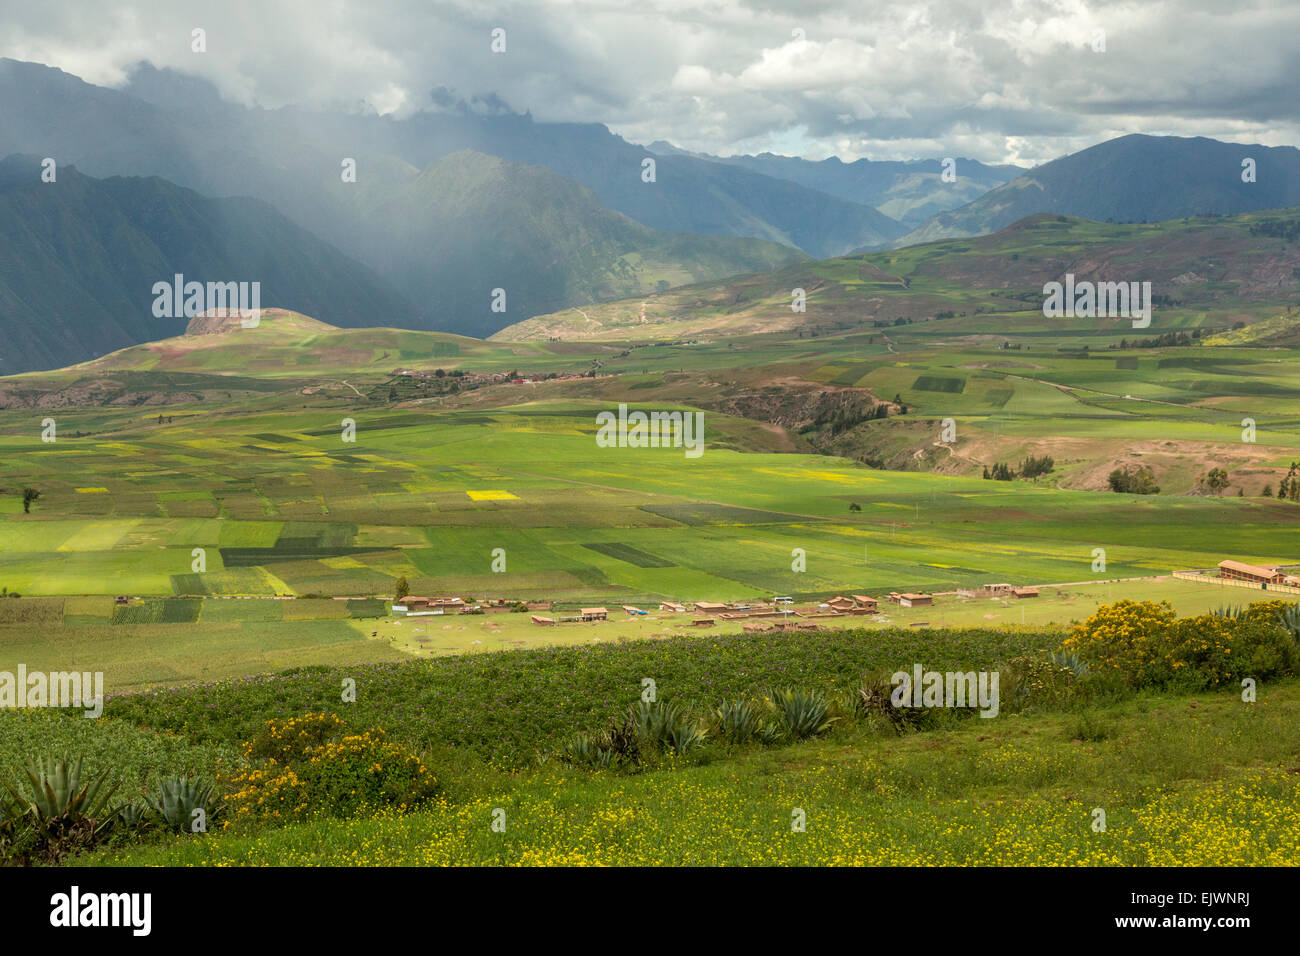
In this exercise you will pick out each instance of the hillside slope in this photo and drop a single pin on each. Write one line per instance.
(79, 258)
(1223, 265)
(472, 223)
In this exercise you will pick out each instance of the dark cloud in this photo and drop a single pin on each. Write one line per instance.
(1019, 80)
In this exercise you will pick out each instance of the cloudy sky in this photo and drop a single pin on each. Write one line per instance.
(997, 80)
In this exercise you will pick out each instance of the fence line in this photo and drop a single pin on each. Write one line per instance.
(1206, 577)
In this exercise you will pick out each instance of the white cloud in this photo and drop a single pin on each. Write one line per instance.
(997, 80)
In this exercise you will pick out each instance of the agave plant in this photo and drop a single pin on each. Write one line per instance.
(655, 722)
(1290, 619)
(685, 735)
(58, 799)
(1230, 611)
(177, 797)
(135, 816)
(587, 752)
(665, 724)
(1070, 661)
(737, 721)
(803, 713)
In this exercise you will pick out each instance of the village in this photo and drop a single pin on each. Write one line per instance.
(778, 614)
(785, 614)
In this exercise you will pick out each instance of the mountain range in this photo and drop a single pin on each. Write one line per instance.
(909, 191)
(1134, 178)
(455, 202)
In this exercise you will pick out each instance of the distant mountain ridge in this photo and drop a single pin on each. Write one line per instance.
(909, 191)
(1136, 178)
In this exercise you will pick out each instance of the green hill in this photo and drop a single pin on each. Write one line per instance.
(79, 258)
(1210, 271)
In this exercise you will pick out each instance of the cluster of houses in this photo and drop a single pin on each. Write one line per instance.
(416, 606)
(479, 379)
(1009, 590)
(758, 615)
(778, 614)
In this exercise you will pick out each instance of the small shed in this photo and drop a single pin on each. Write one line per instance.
(594, 613)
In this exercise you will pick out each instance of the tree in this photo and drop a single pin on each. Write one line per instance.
(403, 589)
(1132, 480)
(854, 506)
(1268, 491)
(1216, 479)
(1032, 467)
(29, 495)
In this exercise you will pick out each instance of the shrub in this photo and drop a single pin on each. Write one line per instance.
(1032, 681)
(666, 725)
(737, 721)
(588, 752)
(285, 741)
(876, 698)
(356, 774)
(1148, 647)
(1124, 638)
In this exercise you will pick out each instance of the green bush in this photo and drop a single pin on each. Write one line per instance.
(737, 721)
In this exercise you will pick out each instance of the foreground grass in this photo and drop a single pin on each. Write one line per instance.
(1183, 780)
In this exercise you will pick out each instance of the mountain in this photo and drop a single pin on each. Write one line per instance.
(1133, 178)
(79, 258)
(168, 124)
(473, 223)
(1207, 272)
(910, 191)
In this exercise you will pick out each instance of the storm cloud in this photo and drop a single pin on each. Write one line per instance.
(997, 80)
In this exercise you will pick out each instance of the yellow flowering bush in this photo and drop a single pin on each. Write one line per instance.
(355, 775)
(283, 741)
(1146, 645)
(1124, 638)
